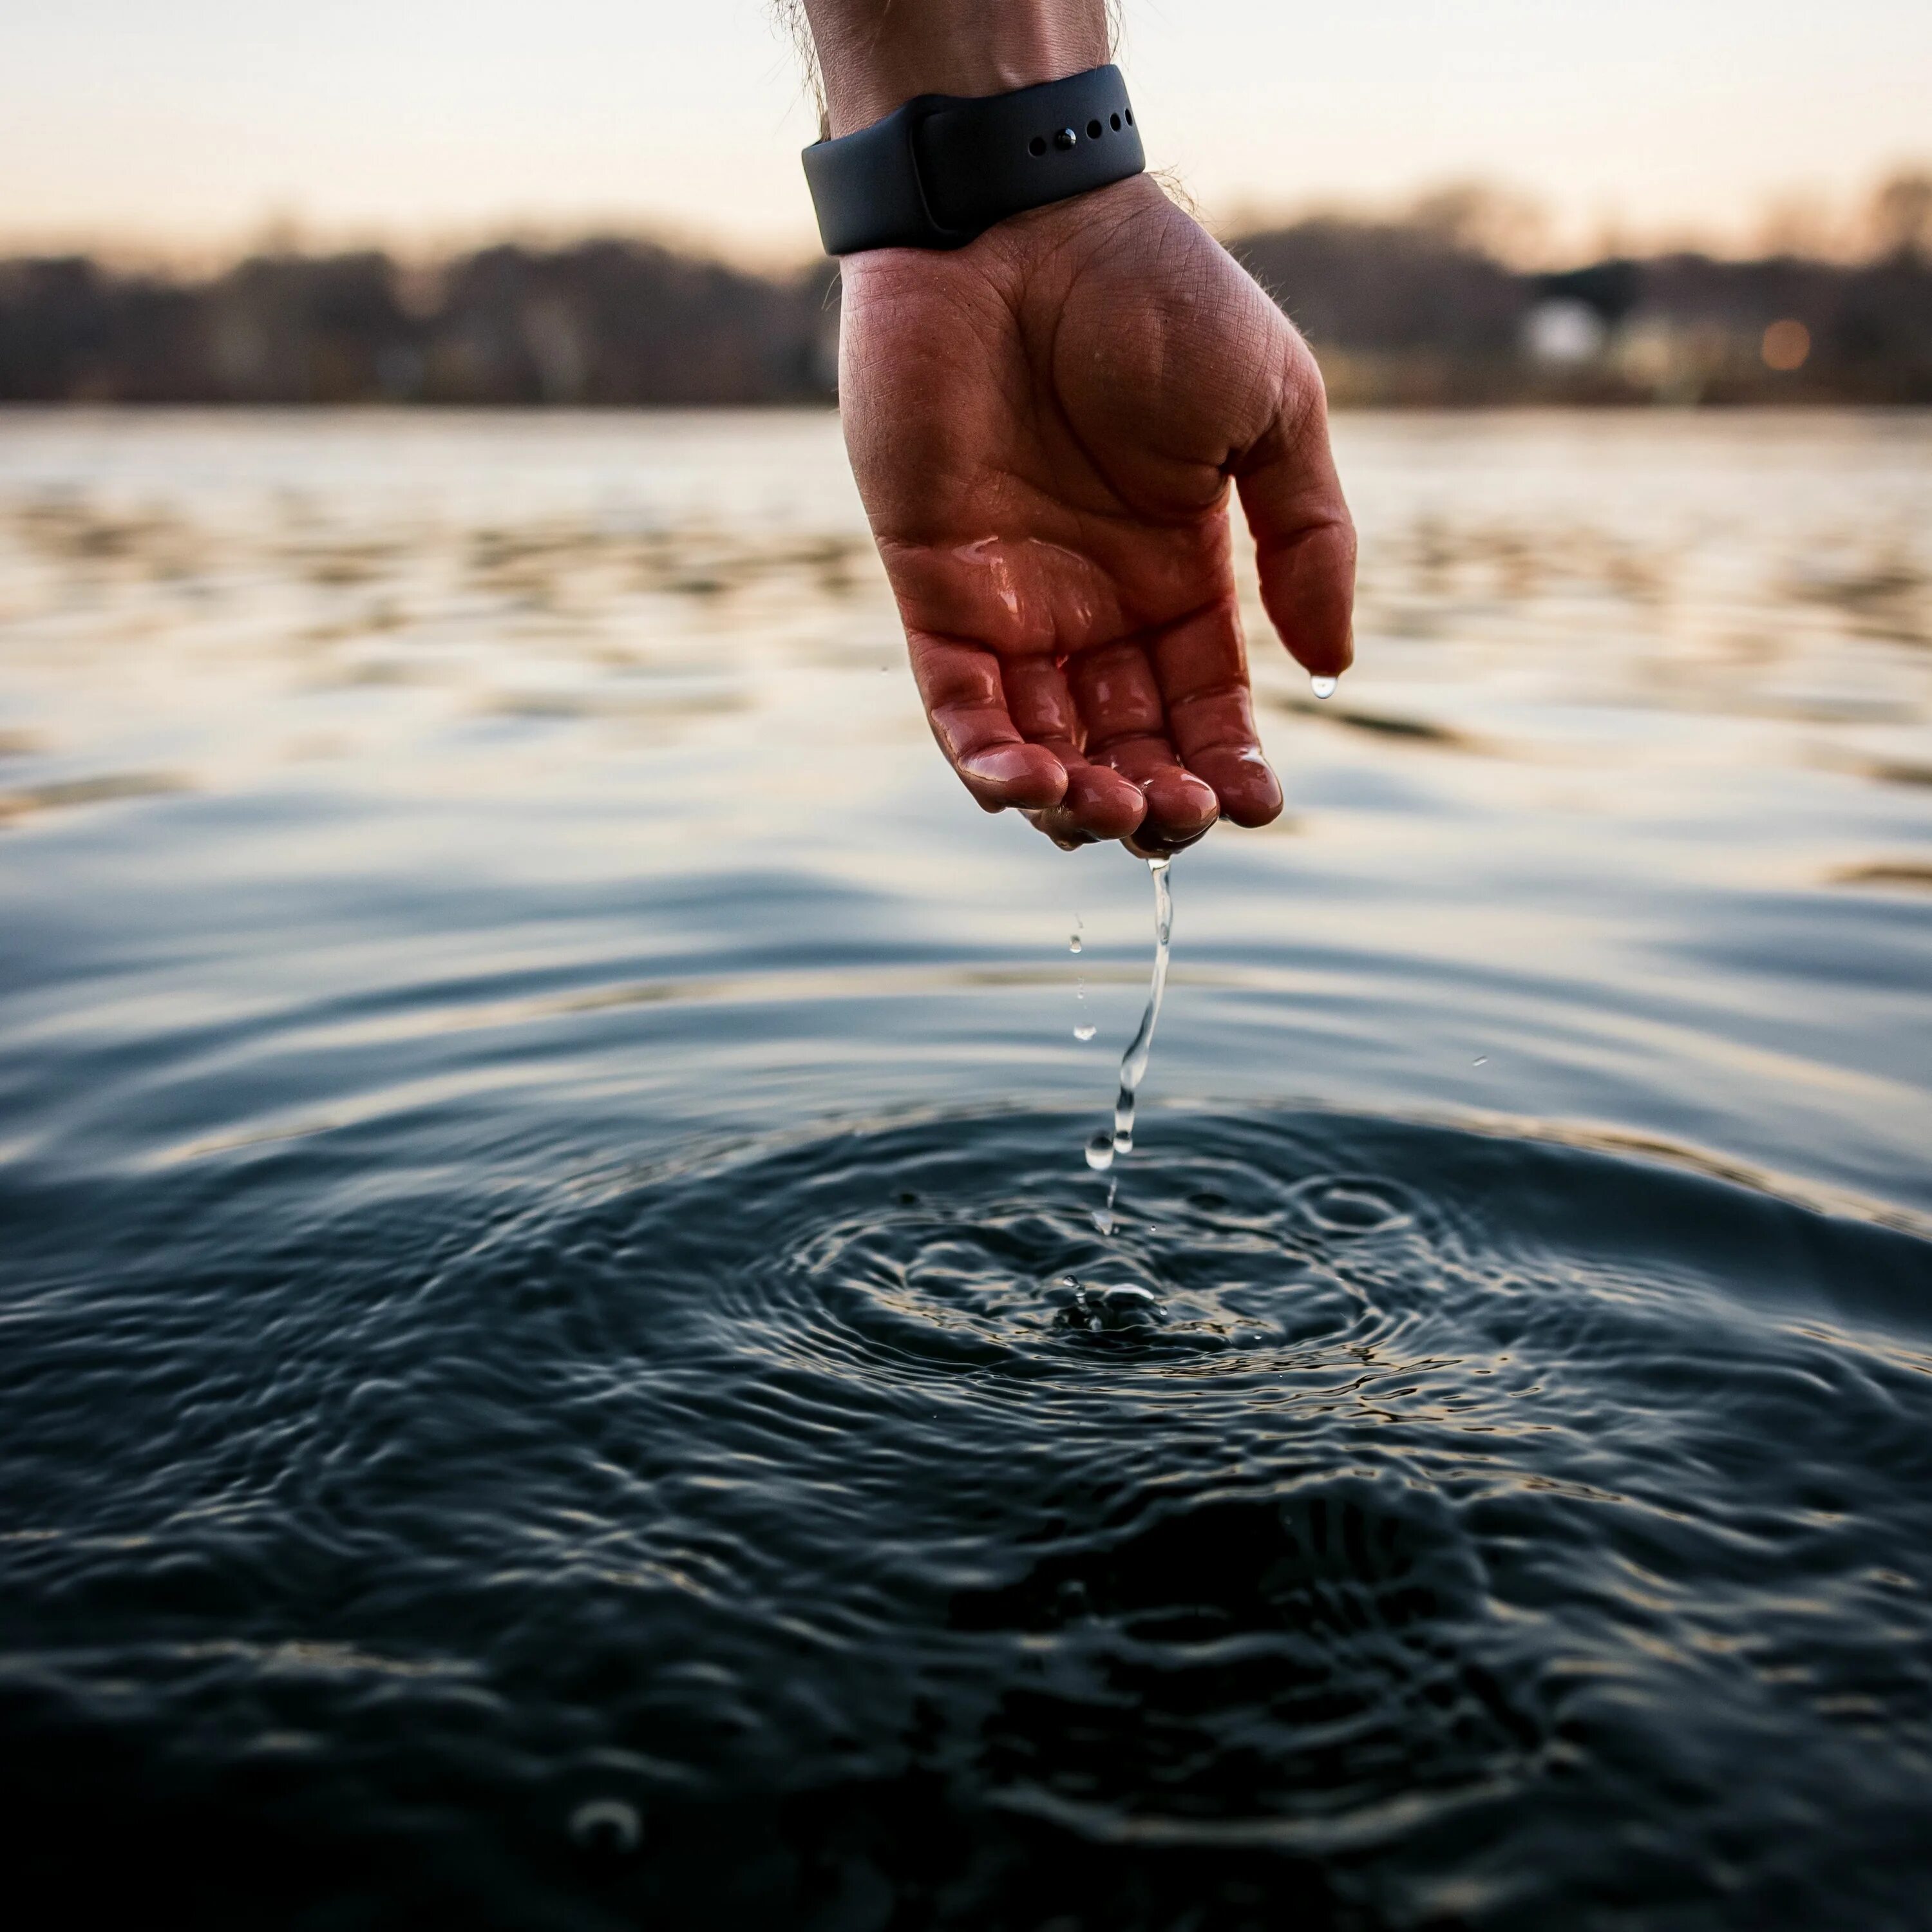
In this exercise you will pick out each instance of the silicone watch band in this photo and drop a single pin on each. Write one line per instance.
(941, 170)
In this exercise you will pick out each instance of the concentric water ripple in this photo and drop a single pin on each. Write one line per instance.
(1383, 1524)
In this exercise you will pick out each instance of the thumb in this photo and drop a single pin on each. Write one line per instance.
(1304, 540)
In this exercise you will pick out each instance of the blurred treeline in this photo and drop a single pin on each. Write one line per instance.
(607, 321)
(1423, 308)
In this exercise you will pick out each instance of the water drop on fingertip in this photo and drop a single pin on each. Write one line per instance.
(1322, 687)
(1084, 1034)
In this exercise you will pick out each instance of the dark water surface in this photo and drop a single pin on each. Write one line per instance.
(563, 1363)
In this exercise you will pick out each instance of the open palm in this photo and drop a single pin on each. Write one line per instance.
(1045, 426)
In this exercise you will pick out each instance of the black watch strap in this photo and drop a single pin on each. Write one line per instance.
(943, 168)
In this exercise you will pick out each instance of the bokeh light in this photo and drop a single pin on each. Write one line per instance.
(1786, 345)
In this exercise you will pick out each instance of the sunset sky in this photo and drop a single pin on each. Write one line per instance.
(194, 125)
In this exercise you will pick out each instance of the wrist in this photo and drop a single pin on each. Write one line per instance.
(874, 55)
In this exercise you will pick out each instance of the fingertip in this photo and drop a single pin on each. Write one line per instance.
(1103, 802)
(1251, 814)
(1308, 588)
(1244, 783)
(1323, 657)
(1181, 808)
(1028, 776)
(1181, 800)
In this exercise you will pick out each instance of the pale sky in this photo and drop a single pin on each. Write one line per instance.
(166, 125)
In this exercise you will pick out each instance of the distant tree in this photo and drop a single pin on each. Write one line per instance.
(1900, 218)
(1800, 222)
(1384, 287)
(1483, 219)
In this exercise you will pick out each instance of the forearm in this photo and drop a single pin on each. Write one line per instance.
(874, 54)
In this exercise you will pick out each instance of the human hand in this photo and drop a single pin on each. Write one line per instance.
(1045, 426)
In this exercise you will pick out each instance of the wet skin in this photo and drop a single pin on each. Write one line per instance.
(1046, 427)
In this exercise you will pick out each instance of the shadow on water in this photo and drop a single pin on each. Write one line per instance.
(1386, 1524)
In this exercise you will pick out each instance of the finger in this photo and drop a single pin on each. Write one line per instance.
(1113, 689)
(1180, 807)
(1126, 729)
(1202, 670)
(965, 703)
(1304, 542)
(1098, 802)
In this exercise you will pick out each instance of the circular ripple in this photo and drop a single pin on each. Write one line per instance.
(932, 1248)
(1377, 1520)
(1352, 1206)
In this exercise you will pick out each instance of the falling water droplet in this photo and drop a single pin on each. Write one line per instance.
(1322, 687)
(1073, 942)
(1103, 1217)
(1481, 1060)
(1084, 1034)
(1100, 1151)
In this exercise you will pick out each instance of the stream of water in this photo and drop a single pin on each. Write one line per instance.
(1106, 1145)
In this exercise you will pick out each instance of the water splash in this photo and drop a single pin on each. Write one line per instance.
(1111, 1311)
(1105, 1145)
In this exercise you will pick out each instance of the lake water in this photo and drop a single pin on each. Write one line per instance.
(564, 1364)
